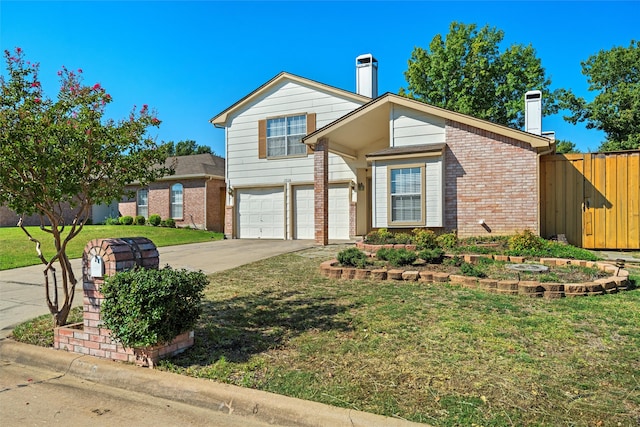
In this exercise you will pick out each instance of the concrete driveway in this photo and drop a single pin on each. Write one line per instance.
(22, 294)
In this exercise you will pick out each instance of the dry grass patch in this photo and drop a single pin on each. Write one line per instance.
(429, 353)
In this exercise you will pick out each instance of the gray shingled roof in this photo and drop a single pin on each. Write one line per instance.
(196, 165)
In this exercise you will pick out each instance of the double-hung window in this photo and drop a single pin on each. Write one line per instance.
(176, 201)
(406, 195)
(284, 135)
(143, 203)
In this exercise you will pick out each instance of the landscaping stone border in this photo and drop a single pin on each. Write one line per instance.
(618, 281)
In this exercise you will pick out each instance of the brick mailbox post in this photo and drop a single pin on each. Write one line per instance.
(103, 258)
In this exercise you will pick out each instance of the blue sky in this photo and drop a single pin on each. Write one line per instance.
(191, 60)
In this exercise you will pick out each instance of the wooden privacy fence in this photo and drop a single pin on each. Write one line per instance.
(592, 198)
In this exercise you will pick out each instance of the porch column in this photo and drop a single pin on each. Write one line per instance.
(321, 191)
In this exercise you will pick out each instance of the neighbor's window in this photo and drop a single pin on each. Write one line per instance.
(143, 202)
(284, 136)
(405, 194)
(176, 201)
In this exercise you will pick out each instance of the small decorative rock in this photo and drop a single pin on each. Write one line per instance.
(488, 284)
(426, 276)
(395, 274)
(507, 287)
(456, 279)
(440, 277)
(362, 274)
(530, 288)
(379, 274)
(575, 289)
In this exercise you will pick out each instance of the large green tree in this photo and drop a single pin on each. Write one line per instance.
(186, 148)
(467, 72)
(615, 76)
(63, 153)
(565, 147)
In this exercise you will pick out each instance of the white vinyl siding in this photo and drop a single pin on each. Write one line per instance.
(411, 127)
(432, 197)
(246, 169)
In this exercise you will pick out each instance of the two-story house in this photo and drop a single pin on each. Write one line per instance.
(305, 160)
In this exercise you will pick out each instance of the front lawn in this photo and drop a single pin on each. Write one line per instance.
(437, 354)
(432, 353)
(17, 251)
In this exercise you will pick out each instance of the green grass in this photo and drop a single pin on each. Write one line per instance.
(17, 251)
(437, 354)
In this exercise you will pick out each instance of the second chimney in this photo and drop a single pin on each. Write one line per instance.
(367, 75)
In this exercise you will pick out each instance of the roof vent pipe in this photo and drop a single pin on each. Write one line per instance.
(367, 75)
(533, 112)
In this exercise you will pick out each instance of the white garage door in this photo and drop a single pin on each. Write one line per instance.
(303, 208)
(260, 213)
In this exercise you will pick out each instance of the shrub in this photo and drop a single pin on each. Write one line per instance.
(353, 257)
(447, 240)
(526, 241)
(432, 256)
(144, 307)
(154, 220)
(424, 239)
(397, 257)
(379, 237)
(403, 238)
(169, 222)
(471, 270)
(112, 221)
(126, 220)
(140, 220)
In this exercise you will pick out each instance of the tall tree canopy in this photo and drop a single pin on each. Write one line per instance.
(63, 153)
(466, 72)
(615, 76)
(186, 148)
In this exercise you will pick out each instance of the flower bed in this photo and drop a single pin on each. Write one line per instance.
(618, 281)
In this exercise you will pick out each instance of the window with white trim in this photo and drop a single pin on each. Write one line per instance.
(406, 195)
(176, 201)
(284, 135)
(142, 203)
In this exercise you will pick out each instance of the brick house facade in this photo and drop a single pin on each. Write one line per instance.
(200, 181)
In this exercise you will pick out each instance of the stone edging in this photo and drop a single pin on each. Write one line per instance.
(619, 281)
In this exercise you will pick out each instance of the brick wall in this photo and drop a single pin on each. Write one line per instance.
(196, 192)
(489, 177)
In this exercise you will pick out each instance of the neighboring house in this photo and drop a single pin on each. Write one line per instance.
(310, 161)
(99, 213)
(193, 196)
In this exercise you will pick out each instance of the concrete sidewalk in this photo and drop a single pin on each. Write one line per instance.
(237, 402)
(22, 295)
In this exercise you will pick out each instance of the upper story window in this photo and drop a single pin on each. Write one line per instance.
(176, 200)
(142, 204)
(284, 136)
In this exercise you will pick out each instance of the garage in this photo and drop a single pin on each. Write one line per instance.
(260, 213)
(303, 212)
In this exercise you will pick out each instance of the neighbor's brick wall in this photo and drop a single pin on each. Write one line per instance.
(490, 177)
(196, 192)
(228, 222)
(216, 191)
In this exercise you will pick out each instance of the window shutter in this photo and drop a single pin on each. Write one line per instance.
(262, 139)
(311, 127)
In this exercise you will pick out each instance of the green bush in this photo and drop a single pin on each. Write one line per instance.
(471, 270)
(432, 256)
(403, 238)
(353, 257)
(144, 307)
(169, 222)
(381, 236)
(126, 220)
(397, 257)
(154, 220)
(447, 240)
(140, 220)
(112, 221)
(526, 241)
(424, 239)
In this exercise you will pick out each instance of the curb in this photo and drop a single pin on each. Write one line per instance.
(233, 400)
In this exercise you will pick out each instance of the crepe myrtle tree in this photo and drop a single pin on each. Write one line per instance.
(63, 153)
